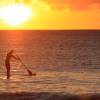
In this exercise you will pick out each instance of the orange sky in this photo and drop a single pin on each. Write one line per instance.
(60, 14)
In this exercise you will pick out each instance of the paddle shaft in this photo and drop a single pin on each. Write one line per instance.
(29, 72)
(23, 64)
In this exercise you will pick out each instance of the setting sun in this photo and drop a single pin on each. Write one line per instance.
(15, 14)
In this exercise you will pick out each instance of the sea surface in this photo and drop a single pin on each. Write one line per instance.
(64, 61)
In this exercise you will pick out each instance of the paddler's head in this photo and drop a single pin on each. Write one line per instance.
(11, 51)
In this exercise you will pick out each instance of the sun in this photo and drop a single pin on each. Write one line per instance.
(15, 14)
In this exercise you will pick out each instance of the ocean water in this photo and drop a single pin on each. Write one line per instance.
(64, 61)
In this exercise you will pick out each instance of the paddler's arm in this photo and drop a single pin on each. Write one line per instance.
(15, 57)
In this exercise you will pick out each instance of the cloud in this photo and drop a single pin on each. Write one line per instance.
(60, 4)
(73, 4)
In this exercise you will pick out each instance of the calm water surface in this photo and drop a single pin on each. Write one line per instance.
(65, 61)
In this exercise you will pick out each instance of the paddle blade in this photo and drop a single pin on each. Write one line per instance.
(30, 73)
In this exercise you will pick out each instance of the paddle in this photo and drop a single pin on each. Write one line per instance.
(29, 72)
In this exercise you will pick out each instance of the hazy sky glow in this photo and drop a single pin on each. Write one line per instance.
(59, 14)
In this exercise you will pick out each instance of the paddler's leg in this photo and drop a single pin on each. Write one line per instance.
(8, 71)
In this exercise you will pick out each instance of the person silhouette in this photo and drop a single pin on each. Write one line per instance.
(7, 62)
